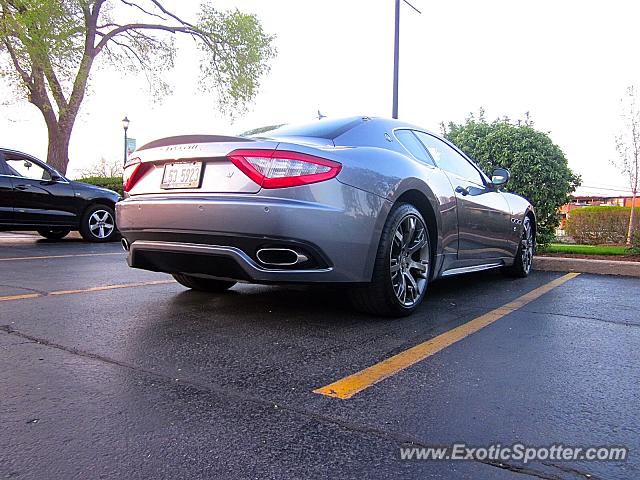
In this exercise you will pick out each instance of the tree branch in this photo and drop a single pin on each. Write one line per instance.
(100, 27)
(166, 12)
(138, 37)
(41, 100)
(54, 84)
(144, 26)
(26, 78)
(82, 76)
(132, 4)
(133, 52)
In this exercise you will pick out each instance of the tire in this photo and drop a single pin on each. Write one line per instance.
(391, 292)
(203, 284)
(98, 224)
(523, 263)
(54, 233)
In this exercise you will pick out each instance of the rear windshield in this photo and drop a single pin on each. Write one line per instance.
(329, 128)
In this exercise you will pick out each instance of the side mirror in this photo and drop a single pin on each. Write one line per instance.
(51, 176)
(499, 177)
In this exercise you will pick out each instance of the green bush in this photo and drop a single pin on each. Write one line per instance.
(112, 183)
(635, 242)
(599, 225)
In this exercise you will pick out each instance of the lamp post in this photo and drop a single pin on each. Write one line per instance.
(125, 126)
(396, 56)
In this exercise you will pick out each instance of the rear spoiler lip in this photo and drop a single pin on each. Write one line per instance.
(192, 139)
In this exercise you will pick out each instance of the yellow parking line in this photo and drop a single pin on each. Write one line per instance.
(111, 287)
(347, 387)
(61, 256)
(86, 290)
(19, 297)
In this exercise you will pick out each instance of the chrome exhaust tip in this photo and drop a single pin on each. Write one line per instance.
(125, 244)
(280, 257)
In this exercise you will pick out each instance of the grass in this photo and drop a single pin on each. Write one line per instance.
(586, 249)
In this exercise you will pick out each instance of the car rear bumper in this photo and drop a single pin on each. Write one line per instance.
(335, 226)
(217, 261)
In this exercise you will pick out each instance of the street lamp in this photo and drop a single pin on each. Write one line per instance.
(125, 126)
(396, 56)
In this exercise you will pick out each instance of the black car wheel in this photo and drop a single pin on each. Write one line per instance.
(523, 262)
(401, 271)
(98, 224)
(203, 284)
(53, 234)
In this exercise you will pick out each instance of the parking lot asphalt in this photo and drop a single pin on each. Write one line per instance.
(109, 372)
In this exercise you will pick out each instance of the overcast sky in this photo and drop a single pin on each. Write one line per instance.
(566, 62)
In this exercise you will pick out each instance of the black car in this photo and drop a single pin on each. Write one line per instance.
(34, 196)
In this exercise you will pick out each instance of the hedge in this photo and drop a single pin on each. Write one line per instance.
(112, 183)
(599, 225)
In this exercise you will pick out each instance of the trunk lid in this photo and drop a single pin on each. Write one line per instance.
(217, 173)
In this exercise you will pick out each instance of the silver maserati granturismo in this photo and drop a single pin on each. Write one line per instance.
(377, 205)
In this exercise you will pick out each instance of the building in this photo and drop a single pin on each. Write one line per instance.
(579, 201)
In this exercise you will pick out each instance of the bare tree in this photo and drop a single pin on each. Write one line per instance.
(628, 147)
(49, 48)
(103, 168)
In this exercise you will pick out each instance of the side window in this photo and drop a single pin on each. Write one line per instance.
(411, 143)
(450, 160)
(23, 167)
(4, 170)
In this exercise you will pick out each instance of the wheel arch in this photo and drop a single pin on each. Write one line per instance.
(534, 225)
(418, 196)
(98, 201)
(532, 216)
(422, 203)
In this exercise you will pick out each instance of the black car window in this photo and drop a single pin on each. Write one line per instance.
(4, 169)
(450, 160)
(413, 145)
(22, 167)
(328, 129)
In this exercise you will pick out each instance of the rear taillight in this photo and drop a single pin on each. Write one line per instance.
(129, 177)
(280, 169)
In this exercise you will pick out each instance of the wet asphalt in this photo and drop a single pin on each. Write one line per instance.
(155, 381)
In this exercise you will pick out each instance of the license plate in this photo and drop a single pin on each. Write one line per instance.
(182, 175)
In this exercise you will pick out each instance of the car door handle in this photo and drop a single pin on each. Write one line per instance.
(462, 191)
(22, 187)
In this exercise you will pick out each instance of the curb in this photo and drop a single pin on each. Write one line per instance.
(583, 265)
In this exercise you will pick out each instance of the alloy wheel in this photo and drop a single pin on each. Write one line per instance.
(409, 257)
(527, 246)
(101, 224)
